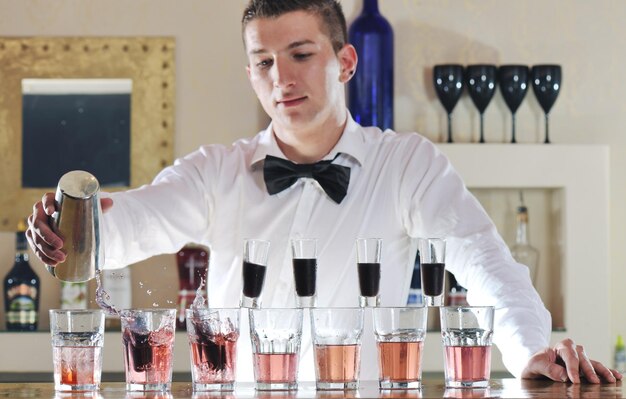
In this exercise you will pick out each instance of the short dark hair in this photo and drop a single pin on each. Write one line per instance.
(329, 12)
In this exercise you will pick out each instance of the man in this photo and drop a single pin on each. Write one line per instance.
(400, 187)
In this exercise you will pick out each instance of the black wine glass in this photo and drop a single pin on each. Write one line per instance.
(513, 80)
(481, 84)
(448, 80)
(546, 81)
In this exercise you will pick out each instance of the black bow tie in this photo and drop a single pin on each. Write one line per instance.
(280, 174)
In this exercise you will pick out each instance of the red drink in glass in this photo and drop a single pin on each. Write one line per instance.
(213, 360)
(400, 363)
(337, 366)
(468, 366)
(276, 370)
(77, 368)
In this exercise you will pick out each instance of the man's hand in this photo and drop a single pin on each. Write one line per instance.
(43, 241)
(568, 361)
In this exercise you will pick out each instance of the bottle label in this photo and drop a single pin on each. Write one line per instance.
(21, 311)
(22, 290)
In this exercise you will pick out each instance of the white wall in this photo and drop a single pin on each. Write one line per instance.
(215, 104)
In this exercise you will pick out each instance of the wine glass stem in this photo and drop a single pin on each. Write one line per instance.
(482, 133)
(547, 140)
(513, 129)
(449, 128)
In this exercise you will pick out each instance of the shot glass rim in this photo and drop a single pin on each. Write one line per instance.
(256, 240)
(432, 238)
(256, 310)
(400, 307)
(368, 238)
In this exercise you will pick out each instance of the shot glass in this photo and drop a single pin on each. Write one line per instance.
(304, 252)
(77, 339)
(255, 253)
(432, 269)
(148, 338)
(400, 334)
(276, 335)
(336, 335)
(368, 263)
(466, 333)
(213, 335)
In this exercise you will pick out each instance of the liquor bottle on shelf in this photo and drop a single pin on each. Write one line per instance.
(73, 295)
(457, 294)
(415, 291)
(117, 283)
(370, 91)
(21, 288)
(193, 263)
(522, 251)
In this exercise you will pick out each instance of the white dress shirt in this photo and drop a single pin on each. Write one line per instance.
(401, 188)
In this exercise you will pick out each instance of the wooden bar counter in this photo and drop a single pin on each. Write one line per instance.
(432, 388)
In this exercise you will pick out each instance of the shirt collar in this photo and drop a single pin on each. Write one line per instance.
(351, 142)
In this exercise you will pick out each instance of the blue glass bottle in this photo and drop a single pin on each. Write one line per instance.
(370, 91)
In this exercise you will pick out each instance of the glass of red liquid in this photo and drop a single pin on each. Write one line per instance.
(400, 334)
(255, 253)
(368, 264)
(432, 253)
(77, 339)
(148, 339)
(304, 251)
(213, 335)
(336, 335)
(276, 335)
(466, 333)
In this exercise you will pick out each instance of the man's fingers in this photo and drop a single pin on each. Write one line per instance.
(543, 364)
(604, 372)
(45, 235)
(566, 350)
(49, 203)
(586, 368)
(38, 252)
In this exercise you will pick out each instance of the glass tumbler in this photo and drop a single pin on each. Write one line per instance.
(276, 335)
(148, 339)
(336, 335)
(466, 334)
(77, 340)
(213, 335)
(400, 334)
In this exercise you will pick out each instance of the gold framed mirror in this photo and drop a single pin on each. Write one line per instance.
(46, 80)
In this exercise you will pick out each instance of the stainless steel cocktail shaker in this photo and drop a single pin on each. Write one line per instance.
(77, 222)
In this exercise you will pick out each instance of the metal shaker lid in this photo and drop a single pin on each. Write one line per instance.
(79, 184)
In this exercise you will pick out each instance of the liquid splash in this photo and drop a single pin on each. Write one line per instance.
(103, 298)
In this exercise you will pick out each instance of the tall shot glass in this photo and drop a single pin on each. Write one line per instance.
(255, 253)
(148, 338)
(432, 269)
(466, 333)
(400, 334)
(213, 335)
(336, 335)
(77, 339)
(304, 252)
(276, 335)
(368, 264)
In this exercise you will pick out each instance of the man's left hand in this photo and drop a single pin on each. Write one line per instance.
(568, 361)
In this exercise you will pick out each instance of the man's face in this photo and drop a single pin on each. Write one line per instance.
(294, 71)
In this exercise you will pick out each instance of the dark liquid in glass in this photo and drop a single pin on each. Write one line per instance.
(304, 272)
(138, 346)
(212, 347)
(432, 278)
(369, 278)
(253, 278)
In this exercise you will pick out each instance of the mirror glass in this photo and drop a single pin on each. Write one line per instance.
(70, 124)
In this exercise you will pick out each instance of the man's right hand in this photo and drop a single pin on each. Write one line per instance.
(42, 239)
